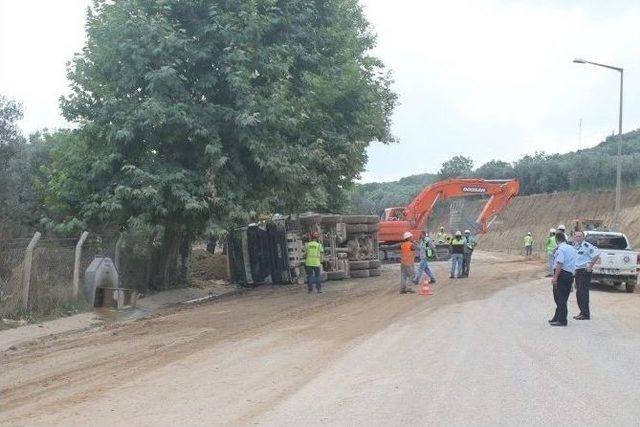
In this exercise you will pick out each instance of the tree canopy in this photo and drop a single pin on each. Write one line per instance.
(196, 110)
(457, 166)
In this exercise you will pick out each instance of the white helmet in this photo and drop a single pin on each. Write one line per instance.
(458, 233)
(552, 231)
(561, 227)
(529, 234)
(407, 235)
(467, 232)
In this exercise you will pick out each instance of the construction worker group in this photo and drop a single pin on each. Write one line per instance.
(461, 248)
(566, 261)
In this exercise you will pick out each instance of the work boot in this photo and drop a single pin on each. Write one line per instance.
(432, 281)
(410, 291)
(582, 317)
(451, 277)
(556, 323)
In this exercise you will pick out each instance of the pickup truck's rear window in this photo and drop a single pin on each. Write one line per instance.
(603, 241)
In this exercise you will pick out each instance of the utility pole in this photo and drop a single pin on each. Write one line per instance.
(616, 211)
(580, 135)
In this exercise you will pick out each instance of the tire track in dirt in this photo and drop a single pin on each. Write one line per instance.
(52, 377)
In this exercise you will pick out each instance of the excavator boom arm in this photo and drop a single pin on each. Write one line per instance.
(417, 213)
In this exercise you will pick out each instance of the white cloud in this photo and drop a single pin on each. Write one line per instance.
(495, 79)
(37, 39)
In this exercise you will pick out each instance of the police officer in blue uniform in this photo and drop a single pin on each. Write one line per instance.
(564, 269)
(588, 255)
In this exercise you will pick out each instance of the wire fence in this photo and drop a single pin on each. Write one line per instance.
(11, 270)
(41, 283)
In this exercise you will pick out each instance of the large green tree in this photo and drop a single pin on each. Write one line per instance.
(456, 167)
(197, 109)
(20, 177)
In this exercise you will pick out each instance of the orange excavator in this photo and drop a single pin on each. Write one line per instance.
(414, 217)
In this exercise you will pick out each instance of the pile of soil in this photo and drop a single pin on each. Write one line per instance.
(538, 213)
(205, 266)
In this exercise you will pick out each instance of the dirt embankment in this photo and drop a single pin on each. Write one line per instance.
(540, 212)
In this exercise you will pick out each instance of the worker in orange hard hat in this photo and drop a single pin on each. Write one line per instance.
(407, 258)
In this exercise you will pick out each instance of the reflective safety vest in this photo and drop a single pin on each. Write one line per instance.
(406, 253)
(528, 240)
(428, 242)
(551, 244)
(441, 236)
(471, 243)
(314, 254)
(457, 245)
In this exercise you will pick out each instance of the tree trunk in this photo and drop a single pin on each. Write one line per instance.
(185, 253)
(165, 272)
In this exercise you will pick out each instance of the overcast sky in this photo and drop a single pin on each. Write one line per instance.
(488, 79)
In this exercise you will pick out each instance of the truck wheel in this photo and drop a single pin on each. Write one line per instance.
(310, 219)
(359, 265)
(355, 219)
(630, 287)
(330, 219)
(373, 228)
(336, 275)
(374, 272)
(372, 219)
(360, 274)
(357, 228)
(374, 263)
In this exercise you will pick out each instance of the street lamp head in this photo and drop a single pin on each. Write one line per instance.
(579, 61)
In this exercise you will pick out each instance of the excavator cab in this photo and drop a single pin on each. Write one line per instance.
(394, 214)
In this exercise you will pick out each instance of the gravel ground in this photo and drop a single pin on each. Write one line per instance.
(478, 352)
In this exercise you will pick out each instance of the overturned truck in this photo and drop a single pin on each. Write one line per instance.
(273, 251)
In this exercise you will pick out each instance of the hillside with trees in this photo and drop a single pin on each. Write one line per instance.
(590, 169)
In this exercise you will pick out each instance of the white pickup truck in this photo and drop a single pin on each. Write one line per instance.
(618, 261)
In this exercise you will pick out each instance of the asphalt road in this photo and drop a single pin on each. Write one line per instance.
(478, 352)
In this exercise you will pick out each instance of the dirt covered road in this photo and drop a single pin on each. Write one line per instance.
(478, 352)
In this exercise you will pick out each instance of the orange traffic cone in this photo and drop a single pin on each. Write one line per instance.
(426, 289)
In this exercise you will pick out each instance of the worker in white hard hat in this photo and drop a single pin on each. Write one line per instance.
(551, 250)
(562, 228)
(457, 255)
(469, 245)
(407, 258)
(528, 245)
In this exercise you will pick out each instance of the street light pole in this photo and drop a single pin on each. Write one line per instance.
(616, 211)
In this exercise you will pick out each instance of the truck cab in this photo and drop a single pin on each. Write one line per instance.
(618, 262)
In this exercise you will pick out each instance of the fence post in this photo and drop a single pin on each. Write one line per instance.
(26, 277)
(76, 264)
(116, 254)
